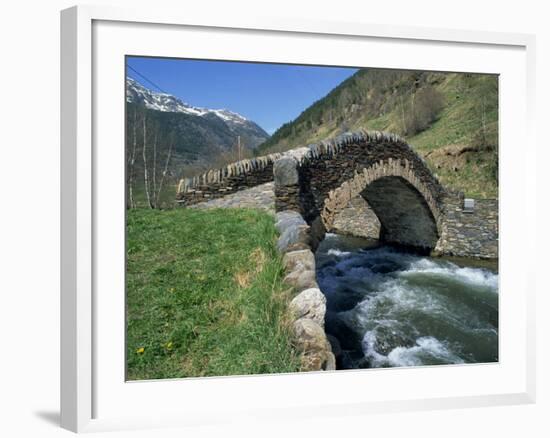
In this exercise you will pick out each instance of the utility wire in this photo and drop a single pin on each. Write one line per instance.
(147, 79)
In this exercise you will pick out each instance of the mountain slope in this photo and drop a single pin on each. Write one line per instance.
(167, 138)
(449, 118)
(194, 123)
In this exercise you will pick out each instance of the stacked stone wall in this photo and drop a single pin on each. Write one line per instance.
(308, 307)
(232, 178)
(357, 219)
(469, 234)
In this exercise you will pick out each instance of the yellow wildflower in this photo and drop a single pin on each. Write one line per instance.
(140, 350)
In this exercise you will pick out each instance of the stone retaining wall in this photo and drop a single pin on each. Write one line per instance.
(308, 307)
(465, 234)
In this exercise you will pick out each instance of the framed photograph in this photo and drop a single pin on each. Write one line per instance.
(288, 218)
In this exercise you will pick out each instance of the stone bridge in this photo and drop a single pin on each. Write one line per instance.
(382, 169)
(320, 181)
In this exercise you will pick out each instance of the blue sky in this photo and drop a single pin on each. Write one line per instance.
(269, 94)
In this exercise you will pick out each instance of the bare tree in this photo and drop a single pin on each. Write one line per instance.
(483, 120)
(132, 163)
(145, 169)
(164, 172)
(155, 163)
(425, 105)
(403, 115)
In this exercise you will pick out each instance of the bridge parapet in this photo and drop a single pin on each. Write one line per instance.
(231, 178)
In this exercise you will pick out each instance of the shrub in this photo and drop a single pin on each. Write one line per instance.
(426, 104)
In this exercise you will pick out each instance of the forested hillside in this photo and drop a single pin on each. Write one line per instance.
(449, 118)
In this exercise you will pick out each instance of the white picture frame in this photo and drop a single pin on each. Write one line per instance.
(91, 390)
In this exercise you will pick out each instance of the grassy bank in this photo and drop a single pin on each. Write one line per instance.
(204, 295)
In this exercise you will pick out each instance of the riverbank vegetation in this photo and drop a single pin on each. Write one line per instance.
(205, 295)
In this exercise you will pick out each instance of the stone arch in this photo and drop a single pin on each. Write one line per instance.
(380, 167)
(405, 207)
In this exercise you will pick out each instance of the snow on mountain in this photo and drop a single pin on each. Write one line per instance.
(137, 93)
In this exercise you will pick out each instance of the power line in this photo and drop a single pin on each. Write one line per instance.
(147, 79)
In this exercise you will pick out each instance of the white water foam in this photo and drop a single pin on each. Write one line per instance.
(473, 276)
(396, 300)
(411, 310)
(338, 253)
(427, 349)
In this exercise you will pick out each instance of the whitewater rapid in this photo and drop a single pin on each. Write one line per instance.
(389, 308)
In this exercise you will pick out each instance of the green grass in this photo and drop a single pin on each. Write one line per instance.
(167, 198)
(205, 295)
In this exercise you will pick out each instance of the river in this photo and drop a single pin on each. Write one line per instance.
(389, 308)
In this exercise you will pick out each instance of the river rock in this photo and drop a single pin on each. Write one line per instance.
(302, 260)
(311, 304)
(294, 238)
(288, 218)
(311, 341)
(301, 280)
(285, 172)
